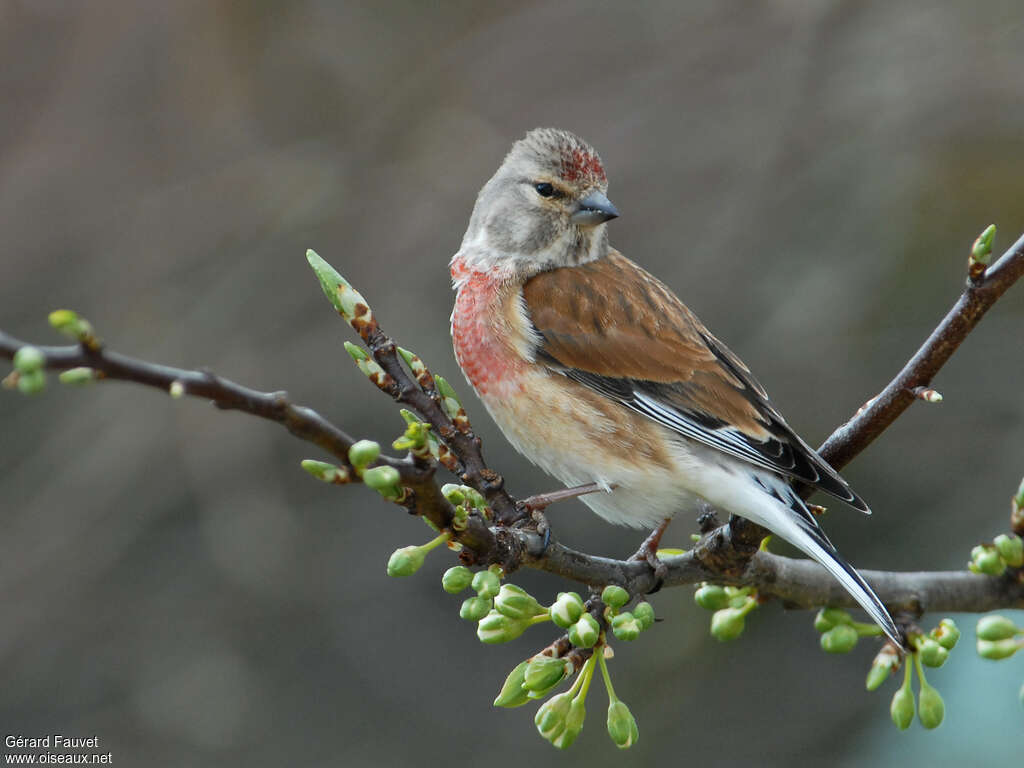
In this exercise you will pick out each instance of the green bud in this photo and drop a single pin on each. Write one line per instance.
(31, 383)
(614, 596)
(567, 609)
(932, 654)
(475, 608)
(1010, 548)
(343, 297)
(454, 493)
(727, 624)
(946, 634)
(573, 724)
(995, 627)
(981, 251)
(29, 359)
(406, 561)
(516, 603)
(884, 663)
(545, 672)
(385, 480)
(584, 633)
(994, 650)
(644, 613)
(711, 597)
(827, 618)
(840, 639)
(456, 579)
(77, 376)
(328, 473)
(496, 628)
(626, 627)
(902, 707)
(176, 390)
(70, 324)
(550, 718)
(486, 583)
(930, 707)
(622, 725)
(512, 693)
(363, 452)
(986, 560)
(449, 400)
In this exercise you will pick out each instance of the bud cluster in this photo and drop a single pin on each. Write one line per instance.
(998, 637)
(730, 605)
(28, 375)
(464, 499)
(1006, 550)
(839, 632)
(626, 625)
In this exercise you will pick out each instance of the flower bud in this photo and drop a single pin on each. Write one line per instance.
(930, 707)
(495, 628)
(328, 473)
(1010, 548)
(567, 609)
(584, 633)
(884, 663)
(545, 672)
(31, 383)
(727, 624)
(454, 493)
(363, 452)
(622, 725)
(406, 561)
(840, 639)
(486, 583)
(456, 579)
(711, 597)
(516, 603)
(626, 627)
(384, 480)
(512, 693)
(932, 654)
(986, 560)
(994, 650)
(827, 618)
(902, 708)
(614, 596)
(573, 724)
(475, 608)
(70, 324)
(995, 627)
(77, 376)
(946, 634)
(29, 359)
(550, 718)
(644, 613)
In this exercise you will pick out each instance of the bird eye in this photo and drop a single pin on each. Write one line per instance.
(544, 189)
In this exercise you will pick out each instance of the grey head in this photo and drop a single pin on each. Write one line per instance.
(545, 207)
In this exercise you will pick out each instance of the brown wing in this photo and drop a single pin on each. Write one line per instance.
(615, 328)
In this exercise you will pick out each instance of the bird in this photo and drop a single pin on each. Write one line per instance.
(597, 372)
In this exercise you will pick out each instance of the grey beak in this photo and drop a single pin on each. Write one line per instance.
(594, 209)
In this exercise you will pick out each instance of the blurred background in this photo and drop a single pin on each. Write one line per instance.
(809, 177)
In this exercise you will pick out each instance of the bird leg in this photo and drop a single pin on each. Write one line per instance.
(544, 500)
(648, 552)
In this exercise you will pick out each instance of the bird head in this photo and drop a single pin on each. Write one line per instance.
(545, 207)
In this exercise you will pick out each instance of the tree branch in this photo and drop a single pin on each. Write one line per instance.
(728, 554)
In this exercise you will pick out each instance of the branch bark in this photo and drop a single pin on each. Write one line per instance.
(727, 555)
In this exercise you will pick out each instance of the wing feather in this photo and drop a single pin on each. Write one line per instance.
(616, 329)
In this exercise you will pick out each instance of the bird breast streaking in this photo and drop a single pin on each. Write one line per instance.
(597, 372)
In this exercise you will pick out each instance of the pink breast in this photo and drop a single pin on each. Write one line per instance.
(483, 354)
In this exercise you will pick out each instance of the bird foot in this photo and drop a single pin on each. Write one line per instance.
(648, 552)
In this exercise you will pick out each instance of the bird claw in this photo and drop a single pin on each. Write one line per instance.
(648, 552)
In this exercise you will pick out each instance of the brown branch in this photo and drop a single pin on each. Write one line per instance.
(728, 554)
(977, 298)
